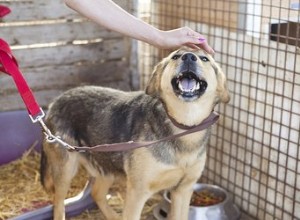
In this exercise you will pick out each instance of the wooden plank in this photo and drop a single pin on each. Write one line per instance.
(63, 76)
(209, 12)
(64, 31)
(38, 10)
(44, 97)
(29, 10)
(70, 53)
(14, 101)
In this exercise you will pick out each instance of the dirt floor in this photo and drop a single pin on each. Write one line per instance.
(21, 191)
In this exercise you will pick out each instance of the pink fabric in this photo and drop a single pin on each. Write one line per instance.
(4, 11)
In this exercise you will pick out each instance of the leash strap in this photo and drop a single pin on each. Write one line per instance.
(10, 67)
(123, 146)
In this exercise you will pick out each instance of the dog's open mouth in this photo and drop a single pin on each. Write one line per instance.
(188, 85)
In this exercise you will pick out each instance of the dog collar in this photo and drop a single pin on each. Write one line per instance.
(210, 120)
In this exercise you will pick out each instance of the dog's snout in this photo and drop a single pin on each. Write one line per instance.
(189, 57)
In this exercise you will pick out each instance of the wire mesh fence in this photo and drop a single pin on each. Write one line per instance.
(254, 151)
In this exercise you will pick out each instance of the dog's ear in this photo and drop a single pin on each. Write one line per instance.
(153, 86)
(222, 90)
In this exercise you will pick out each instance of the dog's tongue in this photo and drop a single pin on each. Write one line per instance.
(188, 84)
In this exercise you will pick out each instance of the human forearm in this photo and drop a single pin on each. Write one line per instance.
(109, 15)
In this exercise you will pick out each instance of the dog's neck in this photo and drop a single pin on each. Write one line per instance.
(187, 127)
(177, 124)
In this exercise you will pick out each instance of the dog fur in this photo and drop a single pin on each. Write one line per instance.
(90, 115)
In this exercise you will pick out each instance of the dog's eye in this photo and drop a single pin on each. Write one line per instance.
(204, 59)
(175, 57)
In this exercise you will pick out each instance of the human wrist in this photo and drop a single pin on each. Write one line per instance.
(153, 36)
(157, 38)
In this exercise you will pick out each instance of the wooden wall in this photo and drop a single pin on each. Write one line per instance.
(214, 12)
(57, 49)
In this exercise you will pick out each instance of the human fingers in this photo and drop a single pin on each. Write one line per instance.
(201, 43)
(205, 46)
(196, 38)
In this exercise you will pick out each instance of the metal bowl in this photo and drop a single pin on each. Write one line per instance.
(225, 210)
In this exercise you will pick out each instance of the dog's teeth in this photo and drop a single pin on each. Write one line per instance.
(196, 87)
(180, 87)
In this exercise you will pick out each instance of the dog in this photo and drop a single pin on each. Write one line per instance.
(184, 88)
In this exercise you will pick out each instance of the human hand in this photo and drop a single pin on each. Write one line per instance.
(184, 36)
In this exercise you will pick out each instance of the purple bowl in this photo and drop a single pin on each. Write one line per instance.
(17, 134)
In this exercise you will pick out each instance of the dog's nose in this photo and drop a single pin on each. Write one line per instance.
(189, 57)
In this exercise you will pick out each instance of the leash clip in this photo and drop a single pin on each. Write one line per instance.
(52, 138)
(39, 117)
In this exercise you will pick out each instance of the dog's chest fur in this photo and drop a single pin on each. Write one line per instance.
(160, 175)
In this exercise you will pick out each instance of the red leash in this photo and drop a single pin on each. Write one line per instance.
(4, 11)
(10, 67)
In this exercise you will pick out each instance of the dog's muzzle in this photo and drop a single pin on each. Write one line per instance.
(188, 83)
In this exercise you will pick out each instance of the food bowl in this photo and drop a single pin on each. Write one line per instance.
(209, 202)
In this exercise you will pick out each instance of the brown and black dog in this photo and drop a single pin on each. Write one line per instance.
(185, 86)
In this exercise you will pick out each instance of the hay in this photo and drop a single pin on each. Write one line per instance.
(21, 190)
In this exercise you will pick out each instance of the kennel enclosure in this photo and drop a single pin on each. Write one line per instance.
(254, 150)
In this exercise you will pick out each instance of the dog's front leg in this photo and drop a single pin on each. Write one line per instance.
(180, 198)
(134, 202)
(181, 195)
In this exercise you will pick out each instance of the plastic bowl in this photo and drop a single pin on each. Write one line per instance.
(224, 210)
